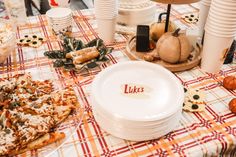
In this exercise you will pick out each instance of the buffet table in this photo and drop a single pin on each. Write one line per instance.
(208, 133)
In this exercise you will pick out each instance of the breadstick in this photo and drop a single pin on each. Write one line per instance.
(80, 52)
(85, 57)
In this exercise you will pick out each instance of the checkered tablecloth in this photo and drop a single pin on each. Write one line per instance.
(208, 133)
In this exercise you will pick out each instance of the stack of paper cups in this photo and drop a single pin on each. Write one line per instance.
(60, 20)
(220, 30)
(106, 12)
(203, 13)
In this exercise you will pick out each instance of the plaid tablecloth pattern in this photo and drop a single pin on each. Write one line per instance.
(208, 133)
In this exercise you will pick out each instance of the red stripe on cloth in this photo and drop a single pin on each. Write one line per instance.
(82, 143)
(81, 28)
(95, 34)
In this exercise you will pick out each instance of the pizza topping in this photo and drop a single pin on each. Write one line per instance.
(7, 140)
(29, 109)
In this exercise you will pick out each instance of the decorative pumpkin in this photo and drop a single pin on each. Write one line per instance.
(157, 29)
(229, 82)
(173, 47)
(232, 105)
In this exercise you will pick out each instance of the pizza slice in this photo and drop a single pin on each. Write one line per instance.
(8, 136)
(42, 141)
(64, 102)
(30, 126)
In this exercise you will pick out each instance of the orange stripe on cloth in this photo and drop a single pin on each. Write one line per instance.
(221, 128)
(90, 138)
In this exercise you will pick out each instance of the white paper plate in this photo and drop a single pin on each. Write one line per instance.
(135, 124)
(137, 129)
(133, 135)
(160, 93)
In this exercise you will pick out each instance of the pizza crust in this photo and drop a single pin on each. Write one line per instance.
(40, 142)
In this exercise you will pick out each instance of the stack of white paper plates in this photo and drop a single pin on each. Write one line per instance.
(137, 100)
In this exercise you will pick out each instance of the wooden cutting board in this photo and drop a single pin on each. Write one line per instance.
(183, 66)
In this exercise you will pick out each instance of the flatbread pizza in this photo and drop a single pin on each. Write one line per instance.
(29, 111)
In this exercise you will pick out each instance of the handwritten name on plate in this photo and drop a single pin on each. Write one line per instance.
(135, 90)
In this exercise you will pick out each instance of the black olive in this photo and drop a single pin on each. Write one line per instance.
(191, 15)
(196, 97)
(26, 36)
(21, 123)
(190, 19)
(13, 105)
(183, 104)
(41, 39)
(34, 36)
(185, 90)
(21, 40)
(7, 131)
(34, 42)
(28, 41)
(194, 106)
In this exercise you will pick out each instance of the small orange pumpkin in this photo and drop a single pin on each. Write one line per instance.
(229, 82)
(232, 105)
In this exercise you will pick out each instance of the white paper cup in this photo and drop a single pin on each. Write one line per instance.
(106, 9)
(59, 13)
(221, 23)
(106, 29)
(219, 33)
(206, 2)
(224, 4)
(221, 18)
(222, 9)
(220, 26)
(203, 13)
(223, 13)
(214, 52)
(106, 13)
